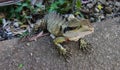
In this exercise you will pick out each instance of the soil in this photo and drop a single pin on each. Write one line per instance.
(42, 54)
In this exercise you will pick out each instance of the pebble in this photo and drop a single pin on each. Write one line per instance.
(28, 44)
(90, 5)
(117, 4)
(100, 9)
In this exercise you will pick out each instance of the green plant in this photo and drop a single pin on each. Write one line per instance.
(54, 6)
(78, 4)
(22, 10)
(61, 6)
(20, 66)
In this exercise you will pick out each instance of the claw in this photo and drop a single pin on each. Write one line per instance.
(63, 51)
(66, 54)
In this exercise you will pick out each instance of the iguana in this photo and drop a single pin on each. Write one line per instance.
(63, 30)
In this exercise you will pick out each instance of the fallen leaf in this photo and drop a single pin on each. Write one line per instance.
(2, 15)
(20, 66)
(99, 7)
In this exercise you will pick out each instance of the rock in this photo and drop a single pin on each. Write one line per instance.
(102, 1)
(92, 19)
(90, 5)
(102, 17)
(108, 10)
(96, 10)
(85, 11)
(117, 4)
(85, 1)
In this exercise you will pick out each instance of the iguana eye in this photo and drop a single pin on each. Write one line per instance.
(69, 29)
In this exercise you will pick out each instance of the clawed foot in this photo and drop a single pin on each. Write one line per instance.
(84, 46)
(65, 53)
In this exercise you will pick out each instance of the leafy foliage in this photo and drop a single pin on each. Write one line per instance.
(22, 10)
(61, 6)
(78, 4)
(65, 6)
(20, 66)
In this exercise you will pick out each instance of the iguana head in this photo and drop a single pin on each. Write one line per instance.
(76, 29)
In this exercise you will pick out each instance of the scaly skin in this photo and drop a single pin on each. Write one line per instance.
(62, 30)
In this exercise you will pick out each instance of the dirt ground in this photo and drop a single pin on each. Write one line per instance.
(42, 54)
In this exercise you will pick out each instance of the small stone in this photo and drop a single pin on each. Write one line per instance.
(97, 10)
(90, 5)
(117, 4)
(108, 10)
(101, 1)
(92, 19)
(99, 20)
(102, 17)
(31, 54)
(85, 1)
(108, 16)
(85, 11)
(28, 44)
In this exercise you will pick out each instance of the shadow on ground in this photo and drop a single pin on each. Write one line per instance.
(42, 54)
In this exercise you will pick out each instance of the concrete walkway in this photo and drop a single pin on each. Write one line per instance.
(42, 54)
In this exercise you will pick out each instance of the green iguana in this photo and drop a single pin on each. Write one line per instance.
(63, 30)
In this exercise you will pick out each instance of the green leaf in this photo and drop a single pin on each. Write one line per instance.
(81, 15)
(0, 20)
(27, 1)
(24, 34)
(12, 10)
(20, 66)
(25, 5)
(78, 4)
(19, 9)
(27, 17)
(53, 7)
(19, 3)
(39, 5)
(61, 1)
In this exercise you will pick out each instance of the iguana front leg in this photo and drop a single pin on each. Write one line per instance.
(83, 45)
(57, 41)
